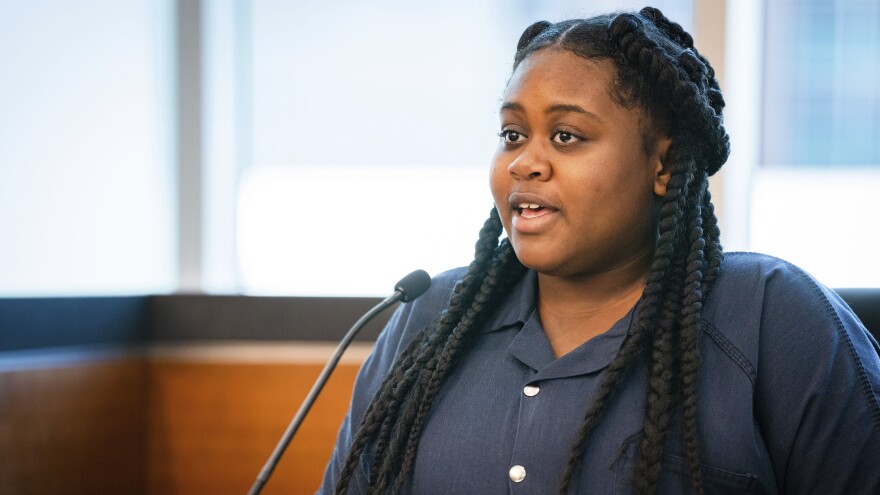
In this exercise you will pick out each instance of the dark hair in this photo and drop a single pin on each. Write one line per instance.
(660, 72)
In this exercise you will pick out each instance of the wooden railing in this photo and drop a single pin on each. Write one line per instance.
(169, 420)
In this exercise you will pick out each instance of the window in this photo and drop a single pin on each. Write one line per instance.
(816, 194)
(368, 129)
(822, 84)
(86, 166)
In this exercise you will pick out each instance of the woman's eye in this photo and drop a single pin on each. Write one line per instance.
(564, 137)
(511, 136)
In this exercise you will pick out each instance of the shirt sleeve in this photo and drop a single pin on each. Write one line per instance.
(817, 394)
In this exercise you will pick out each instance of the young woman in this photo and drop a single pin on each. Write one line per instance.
(606, 345)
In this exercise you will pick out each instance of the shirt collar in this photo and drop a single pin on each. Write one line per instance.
(531, 346)
(517, 307)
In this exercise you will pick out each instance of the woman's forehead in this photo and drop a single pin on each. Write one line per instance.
(561, 76)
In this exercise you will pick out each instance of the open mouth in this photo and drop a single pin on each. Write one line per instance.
(532, 210)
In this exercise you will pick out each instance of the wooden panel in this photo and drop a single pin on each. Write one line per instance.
(73, 429)
(198, 419)
(212, 425)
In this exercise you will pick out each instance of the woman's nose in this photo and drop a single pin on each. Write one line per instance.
(530, 165)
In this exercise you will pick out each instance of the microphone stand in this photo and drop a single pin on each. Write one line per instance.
(257, 487)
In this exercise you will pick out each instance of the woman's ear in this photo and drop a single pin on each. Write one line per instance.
(661, 170)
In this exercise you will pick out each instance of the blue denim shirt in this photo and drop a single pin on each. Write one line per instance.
(789, 397)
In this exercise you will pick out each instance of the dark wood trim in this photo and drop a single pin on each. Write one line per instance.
(37, 323)
(33, 323)
(201, 317)
(866, 305)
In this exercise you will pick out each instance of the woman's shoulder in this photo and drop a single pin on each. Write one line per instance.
(814, 370)
(412, 317)
(761, 303)
(439, 292)
(424, 309)
(759, 283)
(741, 269)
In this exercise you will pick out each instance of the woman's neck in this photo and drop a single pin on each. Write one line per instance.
(575, 309)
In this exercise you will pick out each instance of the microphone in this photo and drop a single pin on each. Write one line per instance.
(407, 289)
(412, 286)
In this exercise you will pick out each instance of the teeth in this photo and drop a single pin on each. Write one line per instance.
(531, 206)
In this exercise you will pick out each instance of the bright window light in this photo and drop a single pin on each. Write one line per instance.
(86, 150)
(359, 161)
(821, 220)
(354, 231)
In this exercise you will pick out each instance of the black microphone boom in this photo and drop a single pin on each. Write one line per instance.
(407, 289)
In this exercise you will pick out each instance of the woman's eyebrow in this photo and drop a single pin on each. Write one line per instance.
(555, 108)
(568, 108)
(513, 107)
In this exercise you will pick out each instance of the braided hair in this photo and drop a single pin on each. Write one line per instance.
(659, 71)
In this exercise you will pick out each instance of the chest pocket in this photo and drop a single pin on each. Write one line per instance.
(676, 478)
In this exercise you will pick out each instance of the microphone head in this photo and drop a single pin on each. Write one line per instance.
(413, 285)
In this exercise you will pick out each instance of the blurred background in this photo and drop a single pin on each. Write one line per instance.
(162, 159)
(248, 146)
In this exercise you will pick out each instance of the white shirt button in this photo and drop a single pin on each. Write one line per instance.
(517, 473)
(531, 390)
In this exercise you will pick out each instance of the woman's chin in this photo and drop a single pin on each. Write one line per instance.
(540, 262)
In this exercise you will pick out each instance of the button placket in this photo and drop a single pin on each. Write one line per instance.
(517, 473)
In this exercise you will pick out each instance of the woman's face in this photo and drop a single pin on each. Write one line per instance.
(571, 179)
